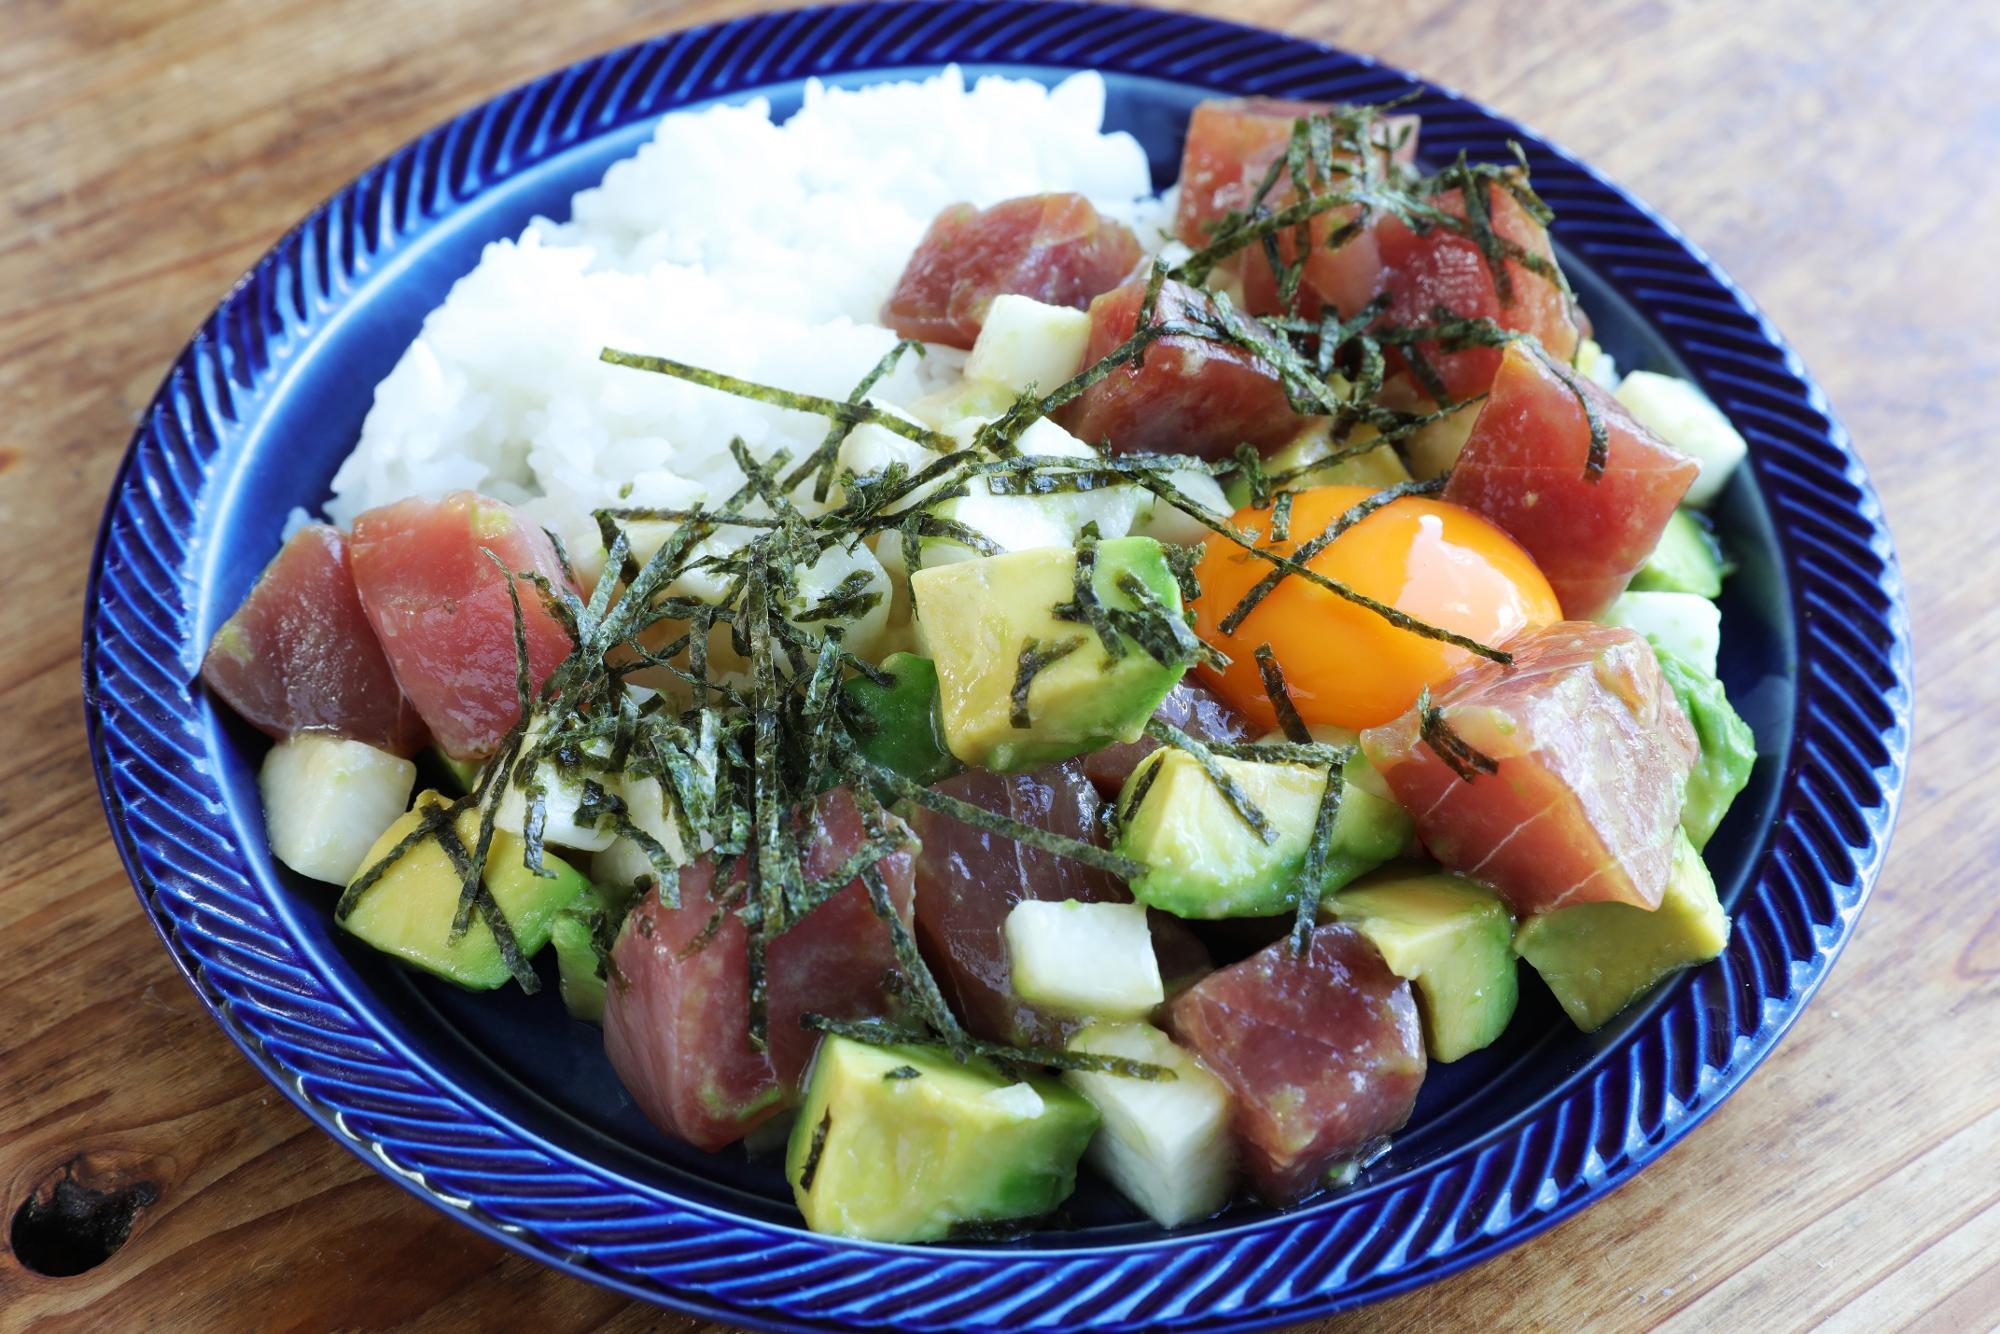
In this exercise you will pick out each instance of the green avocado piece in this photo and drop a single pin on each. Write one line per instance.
(408, 911)
(1203, 861)
(1600, 957)
(461, 774)
(1728, 747)
(896, 725)
(573, 935)
(983, 621)
(1687, 559)
(903, 1143)
(1452, 938)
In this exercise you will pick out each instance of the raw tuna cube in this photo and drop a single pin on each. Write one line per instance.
(677, 1015)
(1054, 248)
(968, 880)
(441, 610)
(300, 656)
(1195, 709)
(1523, 467)
(1231, 144)
(1592, 756)
(1324, 1054)
(1441, 267)
(1190, 396)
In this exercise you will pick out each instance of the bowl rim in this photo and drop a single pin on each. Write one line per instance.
(1837, 802)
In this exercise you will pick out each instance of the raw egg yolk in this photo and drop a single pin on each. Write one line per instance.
(1344, 664)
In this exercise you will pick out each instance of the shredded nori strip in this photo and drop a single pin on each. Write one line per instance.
(1293, 726)
(1354, 514)
(979, 817)
(816, 1150)
(1232, 792)
(1035, 658)
(880, 1033)
(1312, 875)
(1457, 753)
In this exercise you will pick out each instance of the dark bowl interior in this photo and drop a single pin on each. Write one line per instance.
(547, 1074)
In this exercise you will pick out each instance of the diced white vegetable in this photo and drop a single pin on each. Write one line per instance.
(1017, 1100)
(1594, 363)
(961, 401)
(1022, 523)
(622, 865)
(1685, 624)
(1024, 342)
(1171, 523)
(1084, 958)
(822, 581)
(562, 797)
(1164, 1143)
(1680, 414)
(326, 801)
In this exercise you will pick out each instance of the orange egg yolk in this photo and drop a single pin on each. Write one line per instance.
(1344, 664)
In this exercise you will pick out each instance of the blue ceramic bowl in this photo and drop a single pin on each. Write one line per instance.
(502, 1111)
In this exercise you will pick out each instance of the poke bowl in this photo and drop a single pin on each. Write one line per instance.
(500, 1107)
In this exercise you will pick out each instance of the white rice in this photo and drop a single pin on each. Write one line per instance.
(732, 243)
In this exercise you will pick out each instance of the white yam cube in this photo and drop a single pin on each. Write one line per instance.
(1170, 523)
(1023, 523)
(1680, 414)
(1164, 1143)
(1025, 343)
(562, 795)
(326, 801)
(1084, 958)
(1685, 624)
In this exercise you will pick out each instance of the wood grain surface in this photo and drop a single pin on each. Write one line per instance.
(1836, 158)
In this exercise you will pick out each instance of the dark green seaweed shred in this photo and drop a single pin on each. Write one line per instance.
(1232, 792)
(815, 1151)
(1458, 754)
(1289, 721)
(1035, 658)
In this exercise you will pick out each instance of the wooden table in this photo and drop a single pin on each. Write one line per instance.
(1837, 159)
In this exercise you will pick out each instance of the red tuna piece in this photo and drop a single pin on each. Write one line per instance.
(1592, 756)
(969, 879)
(1524, 467)
(1444, 268)
(1323, 1054)
(677, 1026)
(300, 656)
(1055, 248)
(1190, 396)
(1231, 144)
(441, 609)
(1195, 709)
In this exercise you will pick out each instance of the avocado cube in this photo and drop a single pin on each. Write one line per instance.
(993, 623)
(573, 935)
(1728, 747)
(408, 911)
(903, 1143)
(1165, 1143)
(1450, 937)
(1083, 959)
(1600, 957)
(1203, 861)
(896, 725)
(461, 775)
(1686, 559)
